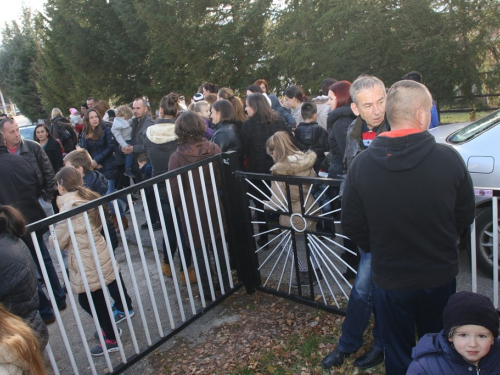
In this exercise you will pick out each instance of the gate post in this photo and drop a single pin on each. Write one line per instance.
(242, 242)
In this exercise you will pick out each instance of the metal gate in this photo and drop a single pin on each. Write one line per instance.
(162, 306)
(294, 248)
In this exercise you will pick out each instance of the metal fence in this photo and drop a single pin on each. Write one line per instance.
(282, 238)
(161, 306)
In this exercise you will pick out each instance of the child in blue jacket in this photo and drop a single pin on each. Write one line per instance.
(468, 344)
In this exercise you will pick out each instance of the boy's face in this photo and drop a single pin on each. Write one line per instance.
(472, 342)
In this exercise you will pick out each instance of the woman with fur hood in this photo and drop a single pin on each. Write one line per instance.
(160, 143)
(290, 161)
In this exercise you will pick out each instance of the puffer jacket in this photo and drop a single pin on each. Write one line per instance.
(101, 150)
(227, 137)
(18, 285)
(10, 363)
(354, 143)
(59, 122)
(433, 355)
(33, 153)
(298, 164)
(65, 203)
(311, 136)
(160, 143)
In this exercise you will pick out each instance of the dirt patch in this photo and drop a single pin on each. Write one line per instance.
(254, 334)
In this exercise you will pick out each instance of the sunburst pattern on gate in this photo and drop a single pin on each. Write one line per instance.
(278, 263)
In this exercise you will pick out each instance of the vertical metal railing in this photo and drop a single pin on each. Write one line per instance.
(158, 301)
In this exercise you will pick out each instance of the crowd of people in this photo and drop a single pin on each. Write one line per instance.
(405, 201)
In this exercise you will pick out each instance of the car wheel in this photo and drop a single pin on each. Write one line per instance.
(484, 242)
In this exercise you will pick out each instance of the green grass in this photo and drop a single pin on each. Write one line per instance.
(449, 118)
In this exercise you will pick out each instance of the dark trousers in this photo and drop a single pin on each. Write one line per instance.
(100, 309)
(115, 294)
(399, 312)
(256, 193)
(213, 270)
(45, 306)
(172, 238)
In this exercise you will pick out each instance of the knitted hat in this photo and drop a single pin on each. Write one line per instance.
(470, 308)
(73, 111)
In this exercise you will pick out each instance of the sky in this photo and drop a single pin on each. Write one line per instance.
(10, 10)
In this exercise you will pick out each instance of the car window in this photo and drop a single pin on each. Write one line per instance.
(27, 132)
(477, 127)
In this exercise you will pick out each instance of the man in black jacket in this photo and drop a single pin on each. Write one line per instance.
(406, 200)
(141, 122)
(18, 188)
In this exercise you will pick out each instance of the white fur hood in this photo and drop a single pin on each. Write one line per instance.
(161, 133)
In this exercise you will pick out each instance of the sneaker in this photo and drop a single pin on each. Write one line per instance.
(144, 225)
(166, 270)
(191, 275)
(120, 315)
(156, 226)
(96, 335)
(129, 173)
(111, 346)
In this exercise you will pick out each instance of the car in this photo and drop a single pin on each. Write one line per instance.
(476, 143)
(27, 131)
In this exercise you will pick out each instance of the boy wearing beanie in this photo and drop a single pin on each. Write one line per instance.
(468, 344)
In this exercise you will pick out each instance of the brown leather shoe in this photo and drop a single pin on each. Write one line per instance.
(125, 222)
(191, 276)
(166, 270)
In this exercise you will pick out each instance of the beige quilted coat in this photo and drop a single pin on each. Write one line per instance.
(301, 165)
(65, 203)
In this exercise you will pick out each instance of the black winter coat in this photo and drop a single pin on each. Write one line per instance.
(101, 150)
(33, 153)
(59, 122)
(338, 122)
(311, 136)
(254, 137)
(53, 150)
(227, 137)
(18, 285)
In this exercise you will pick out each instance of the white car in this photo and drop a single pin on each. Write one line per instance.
(476, 142)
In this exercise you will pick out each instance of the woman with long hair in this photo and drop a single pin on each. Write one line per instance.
(338, 121)
(193, 147)
(19, 348)
(62, 130)
(290, 161)
(18, 283)
(100, 143)
(160, 142)
(262, 123)
(51, 147)
(239, 111)
(227, 135)
(73, 194)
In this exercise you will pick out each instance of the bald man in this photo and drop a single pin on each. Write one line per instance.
(406, 200)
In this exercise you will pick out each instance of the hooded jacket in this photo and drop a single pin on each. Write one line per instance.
(406, 200)
(433, 355)
(186, 154)
(298, 164)
(65, 203)
(122, 131)
(160, 143)
(323, 109)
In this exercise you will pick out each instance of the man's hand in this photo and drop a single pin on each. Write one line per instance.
(128, 149)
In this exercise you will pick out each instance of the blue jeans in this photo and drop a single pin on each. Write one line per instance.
(172, 238)
(128, 158)
(359, 309)
(112, 189)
